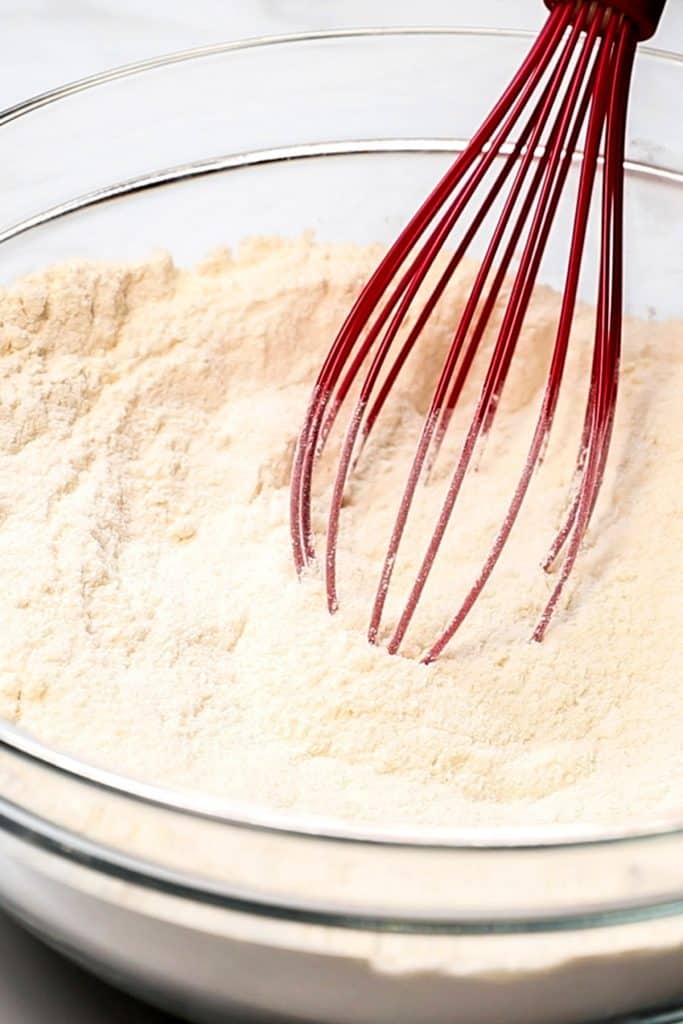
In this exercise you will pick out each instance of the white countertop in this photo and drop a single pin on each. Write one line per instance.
(37, 986)
(47, 42)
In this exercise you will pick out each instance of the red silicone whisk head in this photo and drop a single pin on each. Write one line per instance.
(566, 105)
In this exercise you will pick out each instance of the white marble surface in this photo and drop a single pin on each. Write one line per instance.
(46, 42)
(38, 987)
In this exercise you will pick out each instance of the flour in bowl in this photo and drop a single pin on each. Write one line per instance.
(152, 619)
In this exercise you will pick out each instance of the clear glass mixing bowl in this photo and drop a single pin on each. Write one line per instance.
(209, 908)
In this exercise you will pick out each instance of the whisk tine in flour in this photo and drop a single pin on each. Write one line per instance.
(573, 86)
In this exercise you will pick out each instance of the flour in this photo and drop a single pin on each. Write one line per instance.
(152, 620)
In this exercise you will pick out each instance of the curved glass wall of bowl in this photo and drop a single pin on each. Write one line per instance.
(115, 166)
(111, 170)
(199, 150)
(244, 158)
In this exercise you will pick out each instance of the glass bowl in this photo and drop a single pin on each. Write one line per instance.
(209, 908)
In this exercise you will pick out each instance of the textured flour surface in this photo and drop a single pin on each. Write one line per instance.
(152, 621)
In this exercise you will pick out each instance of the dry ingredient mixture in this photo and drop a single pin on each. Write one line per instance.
(152, 620)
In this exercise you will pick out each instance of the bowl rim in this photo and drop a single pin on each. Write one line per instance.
(16, 742)
(111, 74)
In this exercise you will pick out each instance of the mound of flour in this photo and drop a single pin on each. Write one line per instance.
(152, 620)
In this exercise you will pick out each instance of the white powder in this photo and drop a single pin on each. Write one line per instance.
(152, 620)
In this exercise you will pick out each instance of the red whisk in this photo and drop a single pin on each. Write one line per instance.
(573, 87)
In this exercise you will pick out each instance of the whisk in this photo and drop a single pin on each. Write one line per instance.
(572, 87)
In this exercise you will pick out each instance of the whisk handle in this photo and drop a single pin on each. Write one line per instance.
(645, 14)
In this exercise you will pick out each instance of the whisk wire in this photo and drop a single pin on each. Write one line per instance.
(602, 396)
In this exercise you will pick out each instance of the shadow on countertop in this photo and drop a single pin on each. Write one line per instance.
(38, 985)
